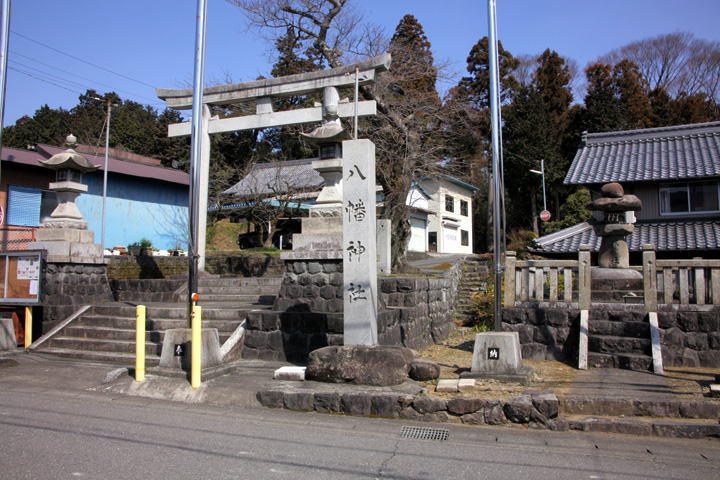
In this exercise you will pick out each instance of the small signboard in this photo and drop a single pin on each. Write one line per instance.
(544, 215)
(493, 353)
(20, 277)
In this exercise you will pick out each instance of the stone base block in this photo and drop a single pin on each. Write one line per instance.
(7, 334)
(497, 353)
(65, 235)
(177, 348)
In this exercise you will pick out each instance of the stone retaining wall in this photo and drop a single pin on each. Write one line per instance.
(126, 267)
(545, 333)
(308, 312)
(689, 334)
(146, 290)
(66, 286)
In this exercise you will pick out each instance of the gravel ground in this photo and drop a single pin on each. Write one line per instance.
(455, 356)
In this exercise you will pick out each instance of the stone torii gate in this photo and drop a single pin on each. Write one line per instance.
(262, 92)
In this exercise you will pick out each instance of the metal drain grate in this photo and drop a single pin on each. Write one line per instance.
(425, 433)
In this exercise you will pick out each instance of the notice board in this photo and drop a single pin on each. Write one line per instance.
(20, 277)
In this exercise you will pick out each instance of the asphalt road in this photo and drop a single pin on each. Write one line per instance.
(63, 434)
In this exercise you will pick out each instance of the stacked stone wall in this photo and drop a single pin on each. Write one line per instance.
(308, 312)
(690, 338)
(126, 267)
(689, 334)
(67, 286)
(545, 334)
(146, 290)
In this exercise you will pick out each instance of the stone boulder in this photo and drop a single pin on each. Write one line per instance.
(378, 365)
(423, 370)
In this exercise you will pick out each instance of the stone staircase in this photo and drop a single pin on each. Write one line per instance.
(619, 337)
(106, 333)
(474, 279)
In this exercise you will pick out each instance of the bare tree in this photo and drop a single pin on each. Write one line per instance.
(677, 62)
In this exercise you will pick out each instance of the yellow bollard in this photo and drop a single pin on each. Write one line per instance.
(140, 343)
(196, 360)
(28, 326)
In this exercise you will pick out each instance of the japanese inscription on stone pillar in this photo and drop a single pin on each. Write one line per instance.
(359, 248)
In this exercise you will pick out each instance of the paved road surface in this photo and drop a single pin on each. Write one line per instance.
(55, 433)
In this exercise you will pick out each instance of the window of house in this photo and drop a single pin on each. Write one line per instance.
(464, 238)
(29, 206)
(692, 197)
(463, 208)
(449, 203)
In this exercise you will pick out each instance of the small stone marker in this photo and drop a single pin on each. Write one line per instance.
(497, 355)
(466, 384)
(447, 385)
(290, 373)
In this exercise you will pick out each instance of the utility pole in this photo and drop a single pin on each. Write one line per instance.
(105, 175)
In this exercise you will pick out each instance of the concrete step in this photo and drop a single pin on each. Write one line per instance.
(646, 426)
(101, 345)
(241, 281)
(238, 290)
(620, 329)
(171, 312)
(103, 357)
(628, 361)
(237, 299)
(98, 321)
(618, 345)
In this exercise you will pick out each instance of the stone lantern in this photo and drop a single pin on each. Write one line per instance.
(328, 139)
(69, 167)
(614, 226)
(65, 235)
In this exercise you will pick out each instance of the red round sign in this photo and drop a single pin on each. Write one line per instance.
(544, 215)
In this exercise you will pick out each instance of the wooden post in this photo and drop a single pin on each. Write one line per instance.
(649, 278)
(584, 280)
(510, 259)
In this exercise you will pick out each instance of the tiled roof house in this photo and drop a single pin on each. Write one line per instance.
(675, 171)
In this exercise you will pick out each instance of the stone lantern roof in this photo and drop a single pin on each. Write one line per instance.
(328, 133)
(69, 159)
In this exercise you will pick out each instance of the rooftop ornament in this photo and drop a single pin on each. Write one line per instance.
(615, 226)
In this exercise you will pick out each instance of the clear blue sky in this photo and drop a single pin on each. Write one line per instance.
(152, 41)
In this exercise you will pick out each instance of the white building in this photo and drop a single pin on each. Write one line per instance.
(441, 216)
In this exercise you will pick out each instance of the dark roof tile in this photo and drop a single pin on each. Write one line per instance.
(668, 153)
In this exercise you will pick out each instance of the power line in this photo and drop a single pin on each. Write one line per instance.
(44, 80)
(81, 60)
(50, 75)
(79, 76)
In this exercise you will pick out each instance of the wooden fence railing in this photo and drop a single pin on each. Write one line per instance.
(682, 282)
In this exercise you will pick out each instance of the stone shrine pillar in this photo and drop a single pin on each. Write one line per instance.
(359, 243)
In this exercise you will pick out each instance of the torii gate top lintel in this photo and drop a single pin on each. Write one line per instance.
(279, 87)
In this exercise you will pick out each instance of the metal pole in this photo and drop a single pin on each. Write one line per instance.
(105, 175)
(357, 74)
(196, 151)
(496, 173)
(542, 169)
(4, 42)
